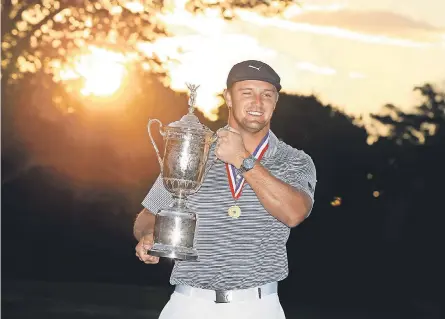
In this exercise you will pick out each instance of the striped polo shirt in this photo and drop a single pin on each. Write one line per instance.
(244, 252)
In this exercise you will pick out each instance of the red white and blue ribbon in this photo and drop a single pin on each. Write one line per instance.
(237, 182)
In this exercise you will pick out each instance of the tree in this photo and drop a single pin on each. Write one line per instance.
(39, 36)
(36, 33)
(425, 125)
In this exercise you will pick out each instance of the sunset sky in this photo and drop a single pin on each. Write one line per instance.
(356, 54)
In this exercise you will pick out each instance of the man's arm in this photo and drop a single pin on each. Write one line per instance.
(143, 232)
(144, 224)
(156, 198)
(283, 201)
(289, 200)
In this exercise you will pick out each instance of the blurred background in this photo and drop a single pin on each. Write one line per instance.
(363, 95)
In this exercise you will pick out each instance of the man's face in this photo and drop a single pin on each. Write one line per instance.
(252, 104)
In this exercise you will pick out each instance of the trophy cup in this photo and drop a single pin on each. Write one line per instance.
(187, 144)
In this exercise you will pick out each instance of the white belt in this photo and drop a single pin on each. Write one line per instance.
(225, 296)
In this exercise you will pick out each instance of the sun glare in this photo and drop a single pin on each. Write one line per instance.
(101, 70)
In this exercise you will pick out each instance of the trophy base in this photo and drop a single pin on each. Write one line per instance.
(174, 233)
(175, 253)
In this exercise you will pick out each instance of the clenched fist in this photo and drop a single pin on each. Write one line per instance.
(143, 246)
(230, 147)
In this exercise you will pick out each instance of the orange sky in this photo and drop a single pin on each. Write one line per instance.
(356, 54)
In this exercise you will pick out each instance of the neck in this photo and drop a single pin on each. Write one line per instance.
(250, 139)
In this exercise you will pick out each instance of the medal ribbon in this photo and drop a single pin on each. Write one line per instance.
(236, 184)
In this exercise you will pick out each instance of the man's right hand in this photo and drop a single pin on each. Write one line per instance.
(143, 246)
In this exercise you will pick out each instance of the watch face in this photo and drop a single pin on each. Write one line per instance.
(249, 163)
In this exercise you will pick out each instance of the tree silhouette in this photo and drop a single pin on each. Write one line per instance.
(426, 124)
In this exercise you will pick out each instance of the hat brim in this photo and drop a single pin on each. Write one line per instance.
(257, 78)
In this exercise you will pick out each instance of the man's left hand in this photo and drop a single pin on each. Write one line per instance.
(230, 147)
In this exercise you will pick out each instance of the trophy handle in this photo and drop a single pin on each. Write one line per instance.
(213, 139)
(160, 159)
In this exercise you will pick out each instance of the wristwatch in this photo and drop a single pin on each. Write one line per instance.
(247, 164)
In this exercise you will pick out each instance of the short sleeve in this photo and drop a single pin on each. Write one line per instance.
(158, 197)
(301, 174)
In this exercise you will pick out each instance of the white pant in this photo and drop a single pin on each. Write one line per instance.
(182, 306)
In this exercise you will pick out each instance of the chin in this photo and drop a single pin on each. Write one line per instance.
(254, 127)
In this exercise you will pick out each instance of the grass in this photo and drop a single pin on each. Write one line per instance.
(51, 300)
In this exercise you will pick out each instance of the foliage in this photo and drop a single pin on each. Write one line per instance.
(425, 124)
(35, 33)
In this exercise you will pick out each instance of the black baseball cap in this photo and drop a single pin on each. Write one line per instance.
(253, 70)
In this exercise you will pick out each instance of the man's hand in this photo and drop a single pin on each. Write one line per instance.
(230, 148)
(143, 246)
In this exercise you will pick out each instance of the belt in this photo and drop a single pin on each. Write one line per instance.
(226, 296)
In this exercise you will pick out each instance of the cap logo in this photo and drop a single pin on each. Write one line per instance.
(254, 67)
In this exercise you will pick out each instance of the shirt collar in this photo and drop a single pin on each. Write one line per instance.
(273, 145)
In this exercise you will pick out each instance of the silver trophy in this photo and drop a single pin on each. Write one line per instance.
(187, 144)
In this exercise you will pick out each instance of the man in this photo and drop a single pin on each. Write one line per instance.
(249, 201)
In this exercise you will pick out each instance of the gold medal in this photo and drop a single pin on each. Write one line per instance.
(234, 211)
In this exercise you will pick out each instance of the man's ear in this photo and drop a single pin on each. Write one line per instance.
(278, 96)
(228, 98)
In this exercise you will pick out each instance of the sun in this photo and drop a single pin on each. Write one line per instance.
(101, 71)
